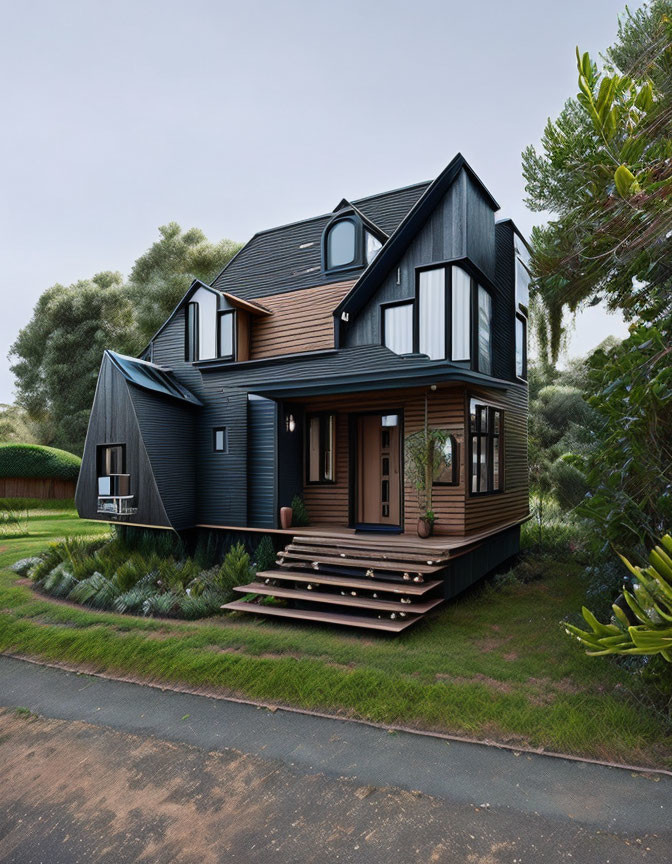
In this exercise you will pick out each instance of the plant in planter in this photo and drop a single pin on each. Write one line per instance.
(423, 461)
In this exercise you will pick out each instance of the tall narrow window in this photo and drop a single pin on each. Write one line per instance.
(225, 337)
(485, 435)
(398, 328)
(461, 314)
(445, 464)
(191, 336)
(341, 244)
(522, 272)
(521, 347)
(220, 440)
(432, 313)
(484, 343)
(320, 450)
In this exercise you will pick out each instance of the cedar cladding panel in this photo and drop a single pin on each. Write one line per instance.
(301, 321)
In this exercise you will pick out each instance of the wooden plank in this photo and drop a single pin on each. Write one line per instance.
(325, 617)
(414, 588)
(369, 563)
(418, 608)
(351, 552)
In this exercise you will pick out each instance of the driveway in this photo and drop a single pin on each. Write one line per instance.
(109, 771)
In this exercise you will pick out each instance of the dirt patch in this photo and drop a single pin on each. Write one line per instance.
(510, 657)
(561, 685)
(478, 678)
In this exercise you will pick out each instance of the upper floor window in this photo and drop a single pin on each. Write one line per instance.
(522, 276)
(341, 244)
(398, 327)
(484, 336)
(521, 347)
(191, 346)
(373, 246)
(225, 334)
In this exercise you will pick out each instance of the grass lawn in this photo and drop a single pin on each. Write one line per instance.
(494, 664)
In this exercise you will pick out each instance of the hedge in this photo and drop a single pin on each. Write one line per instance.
(34, 460)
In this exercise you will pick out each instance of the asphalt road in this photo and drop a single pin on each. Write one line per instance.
(117, 772)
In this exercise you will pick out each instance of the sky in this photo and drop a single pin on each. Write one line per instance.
(235, 117)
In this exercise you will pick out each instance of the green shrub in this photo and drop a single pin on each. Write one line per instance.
(34, 460)
(235, 570)
(265, 554)
(299, 512)
(24, 566)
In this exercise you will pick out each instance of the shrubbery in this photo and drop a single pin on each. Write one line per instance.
(34, 460)
(140, 573)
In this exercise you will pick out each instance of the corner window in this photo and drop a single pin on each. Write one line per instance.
(522, 274)
(484, 336)
(521, 347)
(398, 327)
(460, 314)
(445, 463)
(225, 334)
(432, 313)
(485, 437)
(320, 450)
(191, 335)
(220, 439)
(341, 244)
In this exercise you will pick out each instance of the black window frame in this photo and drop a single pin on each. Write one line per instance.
(223, 450)
(489, 437)
(408, 301)
(100, 451)
(359, 260)
(191, 332)
(523, 321)
(234, 335)
(321, 415)
(475, 328)
(455, 479)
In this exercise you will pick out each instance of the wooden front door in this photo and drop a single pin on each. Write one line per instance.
(378, 500)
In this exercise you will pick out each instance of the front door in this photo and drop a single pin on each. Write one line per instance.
(378, 498)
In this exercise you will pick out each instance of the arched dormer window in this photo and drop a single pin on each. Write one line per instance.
(347, 243)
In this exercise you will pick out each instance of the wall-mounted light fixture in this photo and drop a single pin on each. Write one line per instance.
(290, 422)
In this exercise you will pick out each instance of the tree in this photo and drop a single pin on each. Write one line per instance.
(16, 426)
(161, 277)
(57, 354)
(605, 172)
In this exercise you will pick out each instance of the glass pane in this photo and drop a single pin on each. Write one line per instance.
(461, 314)
(483, 466)
(192, 332)
(496, 420)
(473, 407)
(444, 470)
(113, 461)
(432, 301)
(484, 337)
(385, 470)
(482, 418)
(520, 347)
(341, 244)
(385, 491)
(495, 463)
(314, 450)
(330, 423)
(474, 464)
(389, 420)
(373, 247)
(220, 440)
(522, 274)
(399, 328)
(226, 334)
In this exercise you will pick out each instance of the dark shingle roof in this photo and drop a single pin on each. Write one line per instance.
(289, 257)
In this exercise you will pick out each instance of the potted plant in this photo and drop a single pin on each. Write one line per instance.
(423, 451)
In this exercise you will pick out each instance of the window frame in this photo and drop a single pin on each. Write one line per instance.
(321, 415)
(489, 435)
(520, 317)
(359, 253)
(192, 339)
(475, 328)
(408, 301)
(234, 335)
(455, 480)
(225, 449)
(100, 450)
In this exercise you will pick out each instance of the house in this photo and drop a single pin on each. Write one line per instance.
(303, 369)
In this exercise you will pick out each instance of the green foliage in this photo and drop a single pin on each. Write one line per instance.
(604, 172)
(16, 426)
(265, 554)
(162, 276)
(643, 623)
(235, 570)
(34, 460)
(300, 515)
(569, 482)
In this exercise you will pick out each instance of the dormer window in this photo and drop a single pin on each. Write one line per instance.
(341, 244)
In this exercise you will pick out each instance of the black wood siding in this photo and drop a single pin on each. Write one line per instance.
(262, 464)
(504, 356)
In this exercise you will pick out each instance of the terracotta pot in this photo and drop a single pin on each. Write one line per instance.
(285, 518)
(425, 527)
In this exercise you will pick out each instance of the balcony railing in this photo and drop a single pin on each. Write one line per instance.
(114, 498)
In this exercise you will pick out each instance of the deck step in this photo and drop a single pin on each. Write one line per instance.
(323, 617)
(347, 554)
(420, 607)
(375, 584)
(368, 563)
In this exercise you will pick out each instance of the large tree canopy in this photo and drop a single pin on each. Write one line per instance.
(605, 173)
(162, 276)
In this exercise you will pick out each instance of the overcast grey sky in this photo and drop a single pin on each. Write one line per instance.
(233, 117)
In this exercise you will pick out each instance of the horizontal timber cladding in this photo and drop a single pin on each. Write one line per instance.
(486, 511)
(301, 321)
(330, 503)
(262, 467)
(113, 420)
(36, 487)
(168, 429)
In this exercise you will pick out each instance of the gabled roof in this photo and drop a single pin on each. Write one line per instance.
(151, 377)
(406, 231)
(290, 257)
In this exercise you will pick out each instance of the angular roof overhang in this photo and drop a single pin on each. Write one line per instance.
(148, 376)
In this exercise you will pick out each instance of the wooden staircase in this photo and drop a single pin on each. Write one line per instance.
(351, 581)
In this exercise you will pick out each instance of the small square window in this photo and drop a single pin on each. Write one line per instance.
(221, 440)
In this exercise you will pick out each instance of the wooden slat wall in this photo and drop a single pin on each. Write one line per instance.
(36, 487)
(301, 321)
